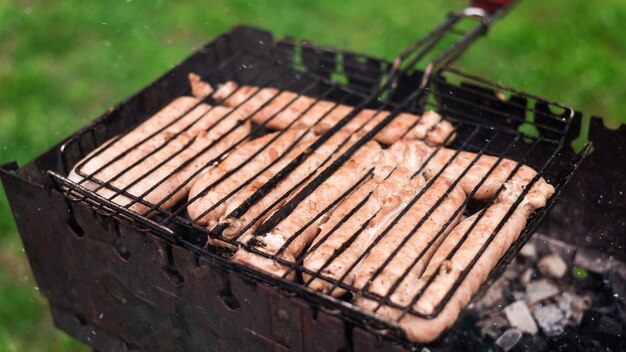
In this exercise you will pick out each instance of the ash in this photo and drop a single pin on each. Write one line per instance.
(553, 297)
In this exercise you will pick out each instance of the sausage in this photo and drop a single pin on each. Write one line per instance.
(415, 240)
(382, 194)
(306, 211)
(481, 167)
(199, 88)
(425, 330)
(248, 190)
(204, 195)
(264, 206)
(170, 157)
(284, 107)
(132, 144)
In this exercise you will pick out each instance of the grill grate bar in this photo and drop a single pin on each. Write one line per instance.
(324, 211)
(136, 199)
(455, 112)
(255, 129)
(466, 235)
(490, 110)
(416, 198)
(234, 170)
(339, 147)
(566, 116)
(339, 250)
(180, 167)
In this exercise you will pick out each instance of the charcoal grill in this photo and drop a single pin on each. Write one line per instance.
(120, 280)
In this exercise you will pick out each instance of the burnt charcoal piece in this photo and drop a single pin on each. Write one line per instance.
(509, 339)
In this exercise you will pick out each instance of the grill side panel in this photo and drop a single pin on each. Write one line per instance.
(117, 288)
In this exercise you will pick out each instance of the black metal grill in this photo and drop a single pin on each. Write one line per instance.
(489, 119)
(524, 128)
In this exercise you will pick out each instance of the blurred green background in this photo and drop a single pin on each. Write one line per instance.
(62, 63)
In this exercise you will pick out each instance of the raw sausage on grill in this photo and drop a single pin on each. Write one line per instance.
(278, 109)
(206, 205)
(425, 330)
(308, 211)
(253, 217)
(382, 195)
(158, 169)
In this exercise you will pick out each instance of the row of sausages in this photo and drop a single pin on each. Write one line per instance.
(385, 223)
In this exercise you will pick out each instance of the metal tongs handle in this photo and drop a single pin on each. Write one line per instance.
(490, 6)
(484, 11)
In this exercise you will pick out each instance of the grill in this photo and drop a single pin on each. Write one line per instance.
(165, 282)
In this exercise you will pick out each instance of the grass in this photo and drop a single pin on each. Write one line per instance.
(63, 63)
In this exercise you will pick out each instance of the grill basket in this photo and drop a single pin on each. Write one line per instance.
(119, 281)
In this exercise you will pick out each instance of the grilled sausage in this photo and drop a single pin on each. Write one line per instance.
(259, 211)
(128, 148)
(278, 109)
(410, 240)
(206, 205)
(382, 194)
(476, 168)
(482, 167)
(154, 169)
(426, 330)
(306, 212)
(199, 88)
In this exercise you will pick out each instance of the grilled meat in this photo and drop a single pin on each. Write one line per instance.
(156, 160)
(381, 195)
(207, 196)
(279, 109)
(424, 223)
(300, 226)
(253, 217)
(448, 269)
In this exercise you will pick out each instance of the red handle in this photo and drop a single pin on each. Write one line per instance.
(490, 6)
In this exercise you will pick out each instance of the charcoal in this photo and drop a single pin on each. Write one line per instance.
(494, 294)
(519, 317)
(552, 266)
(539, 290)
(528, 275)
(592, 260)
(581, 302)
(552, 311)
(547, 245)
(616, 277)
(551, 319)
(492, 327)
(509, 339)
(576, 317)
(609, 326)
(529, 251)
(565, 304)
(532, 344)
(520, 296)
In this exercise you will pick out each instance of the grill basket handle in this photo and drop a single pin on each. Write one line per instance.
(490, 6)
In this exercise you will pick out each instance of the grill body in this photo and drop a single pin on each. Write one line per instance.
(119, 286)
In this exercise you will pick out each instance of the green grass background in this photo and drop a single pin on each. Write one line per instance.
(62, 63)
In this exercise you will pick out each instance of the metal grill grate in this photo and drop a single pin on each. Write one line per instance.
(488, 119)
